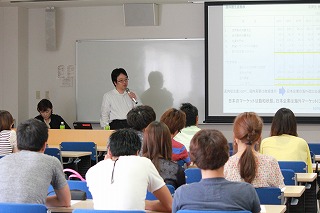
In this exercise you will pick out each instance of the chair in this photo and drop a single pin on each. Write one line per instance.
(74, 185)
(81, 146)
(55, 152)
(270, 195)
(80, 185)
(289, 177)
(315, 148)
(193, 175)
(296, 166)
(151, 196)
(211, 211)
(106, 211)
(22, 207)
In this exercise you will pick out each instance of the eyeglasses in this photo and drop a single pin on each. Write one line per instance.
(123, 81)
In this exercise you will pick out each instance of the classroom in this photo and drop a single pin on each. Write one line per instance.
(30, 71)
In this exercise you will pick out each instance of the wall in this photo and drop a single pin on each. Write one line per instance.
(176, 21)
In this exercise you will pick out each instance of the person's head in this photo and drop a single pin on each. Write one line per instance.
(45, 108)
(209, 149)
(119, 79)
(140, 117)
(284, 122)
(6, 120)
(32, 135)
(124, 142)
(191, 114)
(174, 119)
(247, 129)
(157, 142)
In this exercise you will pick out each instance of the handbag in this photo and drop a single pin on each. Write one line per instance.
(74, 174)
(77, 194)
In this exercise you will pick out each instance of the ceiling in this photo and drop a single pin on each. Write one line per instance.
(81, 3)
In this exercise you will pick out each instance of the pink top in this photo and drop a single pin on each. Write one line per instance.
(268, 174)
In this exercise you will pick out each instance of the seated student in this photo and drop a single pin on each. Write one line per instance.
(53, 121)
(27, 174)
(121, 181)
(209, 150)
(284, 143)
(157, 146)
(247, 164)
(140, 117)
(176, 120)
(8, 137)
(186, 134)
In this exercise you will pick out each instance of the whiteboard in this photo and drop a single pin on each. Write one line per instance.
(163, 72)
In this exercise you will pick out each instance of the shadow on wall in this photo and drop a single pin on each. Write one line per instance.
(159, 98)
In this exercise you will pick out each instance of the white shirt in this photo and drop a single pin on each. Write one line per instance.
(115, 106)
(186, 135)
(132, 176)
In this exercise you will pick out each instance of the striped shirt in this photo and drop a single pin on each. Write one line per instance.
(8, 140)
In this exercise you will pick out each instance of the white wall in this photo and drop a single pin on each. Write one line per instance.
(176, 21)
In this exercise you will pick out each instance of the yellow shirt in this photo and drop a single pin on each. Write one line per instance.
(287, 148)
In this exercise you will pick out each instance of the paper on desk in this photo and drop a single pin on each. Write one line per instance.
(263, 209)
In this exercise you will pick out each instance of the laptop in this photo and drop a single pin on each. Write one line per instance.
(82, 125)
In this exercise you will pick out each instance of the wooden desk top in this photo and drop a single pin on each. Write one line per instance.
(317, 157)
(88, 204)
(293, 191)
(306, 177)
(274, 208)
(99, 137)
(74, 154)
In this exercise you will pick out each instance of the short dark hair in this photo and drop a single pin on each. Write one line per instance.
(191, 113)
(32, 134)
(284, 122)
(116, 72)
(174, 119)
(157, 143)
(6, 120)
(140, 117)
(209, 149)
(124, 142)
(44, 105)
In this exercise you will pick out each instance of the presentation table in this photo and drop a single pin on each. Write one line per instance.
(88, 204)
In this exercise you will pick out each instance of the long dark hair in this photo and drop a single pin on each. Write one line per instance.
(284, 122)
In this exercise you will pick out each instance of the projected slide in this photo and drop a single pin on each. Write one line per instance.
(270, 58)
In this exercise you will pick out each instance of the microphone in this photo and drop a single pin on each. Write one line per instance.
(133, 99)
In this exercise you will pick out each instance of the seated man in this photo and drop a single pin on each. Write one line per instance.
(121, 181)
(209, 150)
(27, 174)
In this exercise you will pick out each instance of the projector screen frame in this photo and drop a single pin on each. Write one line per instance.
(229, 119)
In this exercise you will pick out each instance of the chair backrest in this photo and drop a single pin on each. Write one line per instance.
(81, 146)
(80, 185)
(151, 196)
(315, 148)
(55, 152)
(289, 177)
(193, 175)
(22, 207)
(106, 211)
(270, 195)
(296, 166)
(211, 211)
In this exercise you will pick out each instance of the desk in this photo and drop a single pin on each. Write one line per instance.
(79, 161)
(309, 180)
(99, 137)
(88, 204)
(295, 198)
(317, 158)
